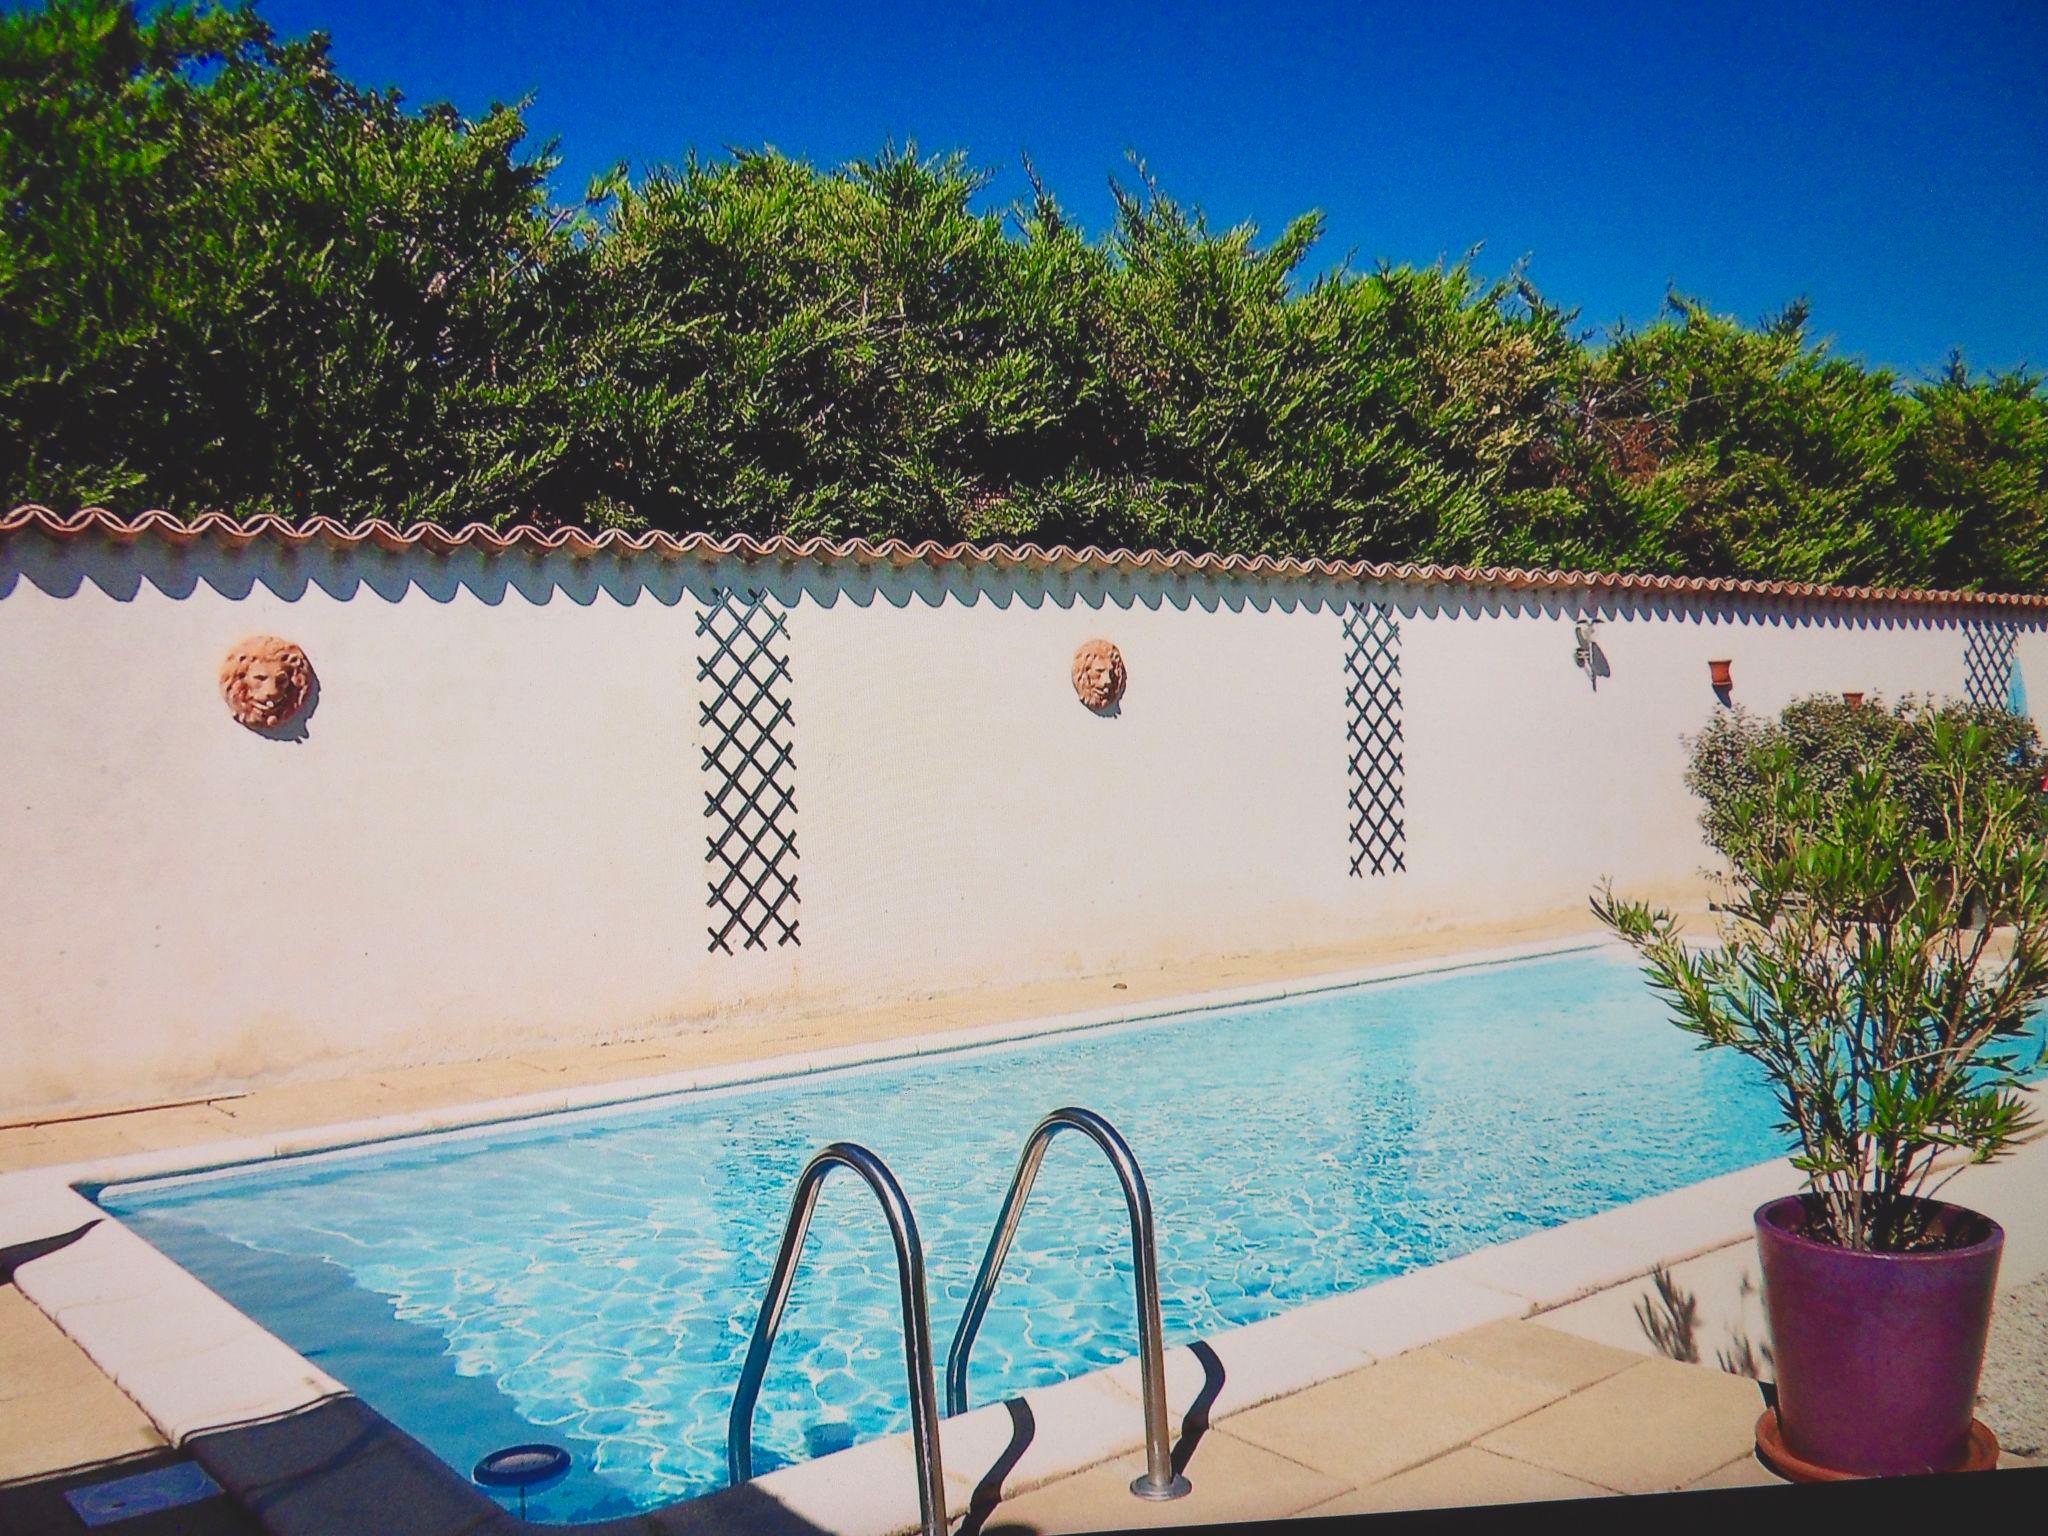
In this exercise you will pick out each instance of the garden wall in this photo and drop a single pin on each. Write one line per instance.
(493, 827)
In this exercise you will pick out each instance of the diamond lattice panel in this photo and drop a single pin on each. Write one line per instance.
(1987, 663)
(1372, 666)
(749, 771)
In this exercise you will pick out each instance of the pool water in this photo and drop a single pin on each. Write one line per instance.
(592, 1280)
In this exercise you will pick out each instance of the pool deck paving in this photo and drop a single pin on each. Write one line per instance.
(1516, 1373)
(1510, 1412)
(57, 1409)
(1446, 1386)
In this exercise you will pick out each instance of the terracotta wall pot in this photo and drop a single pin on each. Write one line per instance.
(1877, 1353)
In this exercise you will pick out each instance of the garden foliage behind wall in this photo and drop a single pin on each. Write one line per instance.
(232, 280)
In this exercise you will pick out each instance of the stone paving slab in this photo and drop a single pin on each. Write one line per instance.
(1539, 1354)
(1721, 1286)
(1237, 1481)
(1743, 1472)
(1464, 1478)
(1654, 1427)
(1397, 1434)
(1389, 1417)
(57, 1410)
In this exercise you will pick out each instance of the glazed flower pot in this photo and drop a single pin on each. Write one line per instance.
(1877, 1354)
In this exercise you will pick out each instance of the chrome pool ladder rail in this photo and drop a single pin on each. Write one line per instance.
(917, 1332)
(1159, 1480)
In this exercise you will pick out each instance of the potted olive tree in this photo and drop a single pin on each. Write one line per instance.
(1883, 946)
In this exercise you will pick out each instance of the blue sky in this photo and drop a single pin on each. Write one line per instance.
(1889, 162)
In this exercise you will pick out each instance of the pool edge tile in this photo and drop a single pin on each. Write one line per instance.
(620, 1093)
(110, 1285)
(35, 1205)
(1406, 1312)
(864, 1490)
(1258, 1362)
(1576, 1259)
(1076, 1424)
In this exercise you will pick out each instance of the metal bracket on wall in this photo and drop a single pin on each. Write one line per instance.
(749, 770)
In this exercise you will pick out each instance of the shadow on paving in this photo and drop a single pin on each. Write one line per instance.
(37, 1507)
(14, 1255)
(339, 1468)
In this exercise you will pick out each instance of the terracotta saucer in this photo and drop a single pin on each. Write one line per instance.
(1982, 1455)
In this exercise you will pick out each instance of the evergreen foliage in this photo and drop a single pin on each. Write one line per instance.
(230, 279)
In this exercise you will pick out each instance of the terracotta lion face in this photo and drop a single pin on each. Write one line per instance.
(265, 681)
(1099, 675)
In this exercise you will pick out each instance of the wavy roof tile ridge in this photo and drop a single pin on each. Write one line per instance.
(578, 542)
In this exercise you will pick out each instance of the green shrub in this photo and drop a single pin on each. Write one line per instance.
(1830, 740)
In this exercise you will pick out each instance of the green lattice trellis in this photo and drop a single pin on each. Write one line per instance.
(1372, 666)
(749, 770)
(1988, 662)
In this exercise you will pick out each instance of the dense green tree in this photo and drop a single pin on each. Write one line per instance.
(1976, 464)
(1760, 454)
(229, 278)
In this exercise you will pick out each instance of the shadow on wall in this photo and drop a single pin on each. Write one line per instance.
(60, 568)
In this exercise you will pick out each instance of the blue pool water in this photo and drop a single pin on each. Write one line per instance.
(593, 1280)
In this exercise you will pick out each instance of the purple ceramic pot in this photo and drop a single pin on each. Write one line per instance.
(1877, 1354)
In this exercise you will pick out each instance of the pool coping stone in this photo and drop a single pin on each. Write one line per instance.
(97, 1173)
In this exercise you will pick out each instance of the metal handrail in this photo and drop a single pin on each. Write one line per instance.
(1159, 1480)
(917, 1332)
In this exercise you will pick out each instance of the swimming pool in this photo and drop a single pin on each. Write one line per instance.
(592, 1279)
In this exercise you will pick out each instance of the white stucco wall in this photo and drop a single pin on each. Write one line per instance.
(492, 833)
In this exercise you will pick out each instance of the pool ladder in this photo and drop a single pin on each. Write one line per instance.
(1158, 1481)
(917, 1331)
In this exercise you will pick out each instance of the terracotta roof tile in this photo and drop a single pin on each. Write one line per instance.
(221, 529)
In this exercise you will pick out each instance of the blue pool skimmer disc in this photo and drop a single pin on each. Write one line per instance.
(525, 1467)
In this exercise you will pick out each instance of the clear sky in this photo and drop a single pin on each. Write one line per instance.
(1887, 161)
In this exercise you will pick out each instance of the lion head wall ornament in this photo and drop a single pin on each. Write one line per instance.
(266, 682)
(1099, 675)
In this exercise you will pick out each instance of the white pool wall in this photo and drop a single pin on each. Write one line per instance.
(492, 836)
